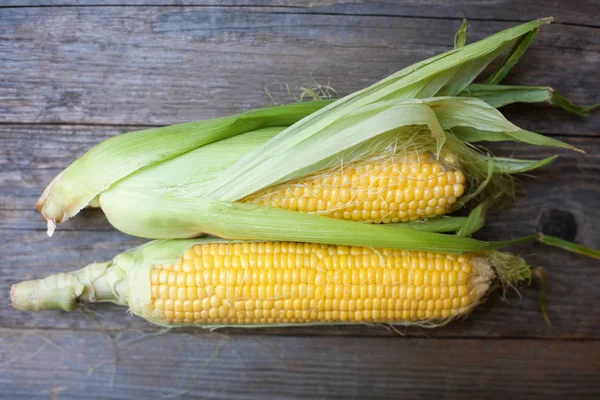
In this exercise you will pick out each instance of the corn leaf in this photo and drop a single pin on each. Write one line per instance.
(473, 135)
(559, 100)
(541, 274)
(361, 133)
(473, 194)
(454, 112)
(550, 241)
(569, 246)
(500, 95)
(463, 77)
(501, 244)
(516, 166)
(474, 120)
(475, 221)
(513, 57)
(439, 224)
(460, 38)
(157, 216)
(463, 226)
(189, 174)
(443, 74)
(113, 159)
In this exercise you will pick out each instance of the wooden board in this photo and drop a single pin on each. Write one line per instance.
(575, 12)
(170, 365)
(115, 65)
(75, 73)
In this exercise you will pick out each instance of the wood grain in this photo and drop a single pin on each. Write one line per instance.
(162, 65)
(572, 12)
(134, 365)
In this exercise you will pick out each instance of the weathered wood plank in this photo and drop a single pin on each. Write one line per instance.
(162, 65)
(34, 154)
(133, 365)
(574, 12)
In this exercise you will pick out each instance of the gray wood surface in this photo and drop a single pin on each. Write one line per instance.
(578, 12)
(137, 365)
(114, 65)
(74, 73)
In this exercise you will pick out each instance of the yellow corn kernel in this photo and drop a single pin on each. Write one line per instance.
(372, 191)
(314, 283)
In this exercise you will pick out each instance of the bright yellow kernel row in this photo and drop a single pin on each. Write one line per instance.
(287, 255)
(348, 277)
(222, 317)
(247, 247)
(292, 261)
(379, 191)
(381, 304)
(302, 290)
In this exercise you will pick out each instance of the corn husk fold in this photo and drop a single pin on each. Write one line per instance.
(120, 156)
(501, 95)
(364, 132)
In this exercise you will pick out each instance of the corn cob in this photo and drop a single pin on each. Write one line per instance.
(210, 282)
(286, 282)
(392, 189)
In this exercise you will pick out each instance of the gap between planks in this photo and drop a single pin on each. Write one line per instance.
(294, 332)
(295, 10)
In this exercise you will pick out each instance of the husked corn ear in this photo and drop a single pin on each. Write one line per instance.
(387, 190)
(211, 282)
(285, 282)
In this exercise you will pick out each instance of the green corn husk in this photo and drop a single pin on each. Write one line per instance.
(108, 162)
(501, 95)
(174, 200)
(460, 38)
(126, 280)
(171, 200)
(498, 95)
(193, 184)
(513, 56)
(364, 132)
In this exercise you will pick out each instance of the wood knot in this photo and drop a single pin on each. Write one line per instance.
(558, 223)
